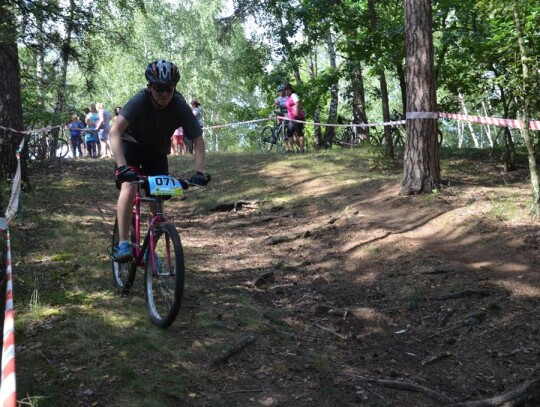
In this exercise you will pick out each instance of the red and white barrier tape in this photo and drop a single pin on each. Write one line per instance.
(29, 131)
(8, 392)
(219, 126)
(13, 204)
(511, 123)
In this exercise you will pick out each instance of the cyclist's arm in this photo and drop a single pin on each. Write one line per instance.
(200, 154)
(115, 136)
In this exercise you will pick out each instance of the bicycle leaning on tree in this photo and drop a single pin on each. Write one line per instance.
(161, 254)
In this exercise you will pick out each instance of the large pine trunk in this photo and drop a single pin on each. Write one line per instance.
(10, 98)
(421, 171)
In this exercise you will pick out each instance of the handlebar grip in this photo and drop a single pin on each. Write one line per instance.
(184, 183)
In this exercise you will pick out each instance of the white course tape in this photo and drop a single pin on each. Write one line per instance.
(422, 115)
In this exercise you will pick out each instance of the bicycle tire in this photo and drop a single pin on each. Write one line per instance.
(123, 273)
(37, 148)
(267, 139)
(62, 148)
(164, 288)
(345, 137)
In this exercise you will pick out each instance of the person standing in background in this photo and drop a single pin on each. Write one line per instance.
(103, 125)
(195, 107)
(75, 127)
(281, 110)
(295, 130)
(178, 145)
(91, 138)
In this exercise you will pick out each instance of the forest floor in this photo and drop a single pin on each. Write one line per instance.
(327, 287)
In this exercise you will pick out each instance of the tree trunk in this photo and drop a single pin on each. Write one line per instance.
(421, 173)
(318, 141)
(10, 99)
(509, 147)
(65, 51)
(330, 131)
(402, 86)
(386, 116)
(469, 124)
(384, 87)
(487, 113)
(359, 101)
(535, 211)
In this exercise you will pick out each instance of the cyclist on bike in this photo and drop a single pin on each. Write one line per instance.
(141, 139)
(281, 109)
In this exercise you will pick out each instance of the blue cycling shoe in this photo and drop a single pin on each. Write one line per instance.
(123, 253)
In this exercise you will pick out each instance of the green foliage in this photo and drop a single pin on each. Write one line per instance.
(234, 63)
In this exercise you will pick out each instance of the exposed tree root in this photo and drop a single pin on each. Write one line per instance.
(527, 394)
(235, 206)
(462, 294)
(237, 347)
(407, 386)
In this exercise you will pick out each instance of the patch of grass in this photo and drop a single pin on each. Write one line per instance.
(320, 361)
(504, 206)
(416, 299)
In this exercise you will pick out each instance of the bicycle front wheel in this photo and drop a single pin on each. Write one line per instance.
(268, 139)
(123, 273)
(164, 276)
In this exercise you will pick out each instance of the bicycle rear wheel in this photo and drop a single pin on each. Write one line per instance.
(268, 139)
(164, 276)
(62, 148)
(123, 273)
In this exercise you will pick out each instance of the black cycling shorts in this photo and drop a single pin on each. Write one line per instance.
(148, 162)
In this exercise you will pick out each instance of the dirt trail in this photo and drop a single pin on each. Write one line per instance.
(368, 298)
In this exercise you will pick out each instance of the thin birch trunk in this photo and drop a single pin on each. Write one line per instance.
(535, 210)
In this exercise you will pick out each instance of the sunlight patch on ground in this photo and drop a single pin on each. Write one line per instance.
(505, 267)
(519, 289)
(367, 277)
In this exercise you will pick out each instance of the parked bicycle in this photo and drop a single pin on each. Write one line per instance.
(347, 136)
(49, 144)
(161, 253)
(272, 136)
(397, 130)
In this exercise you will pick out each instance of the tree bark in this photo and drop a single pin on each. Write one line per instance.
(535, 211)
(330, 131)
(421, 172)
(10, 98)
(317, 132)
(359, 101)
(384, 88)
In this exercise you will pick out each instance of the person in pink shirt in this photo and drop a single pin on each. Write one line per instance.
(295, 130)
(178, 145)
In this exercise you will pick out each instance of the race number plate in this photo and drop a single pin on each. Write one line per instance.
(164, 185)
